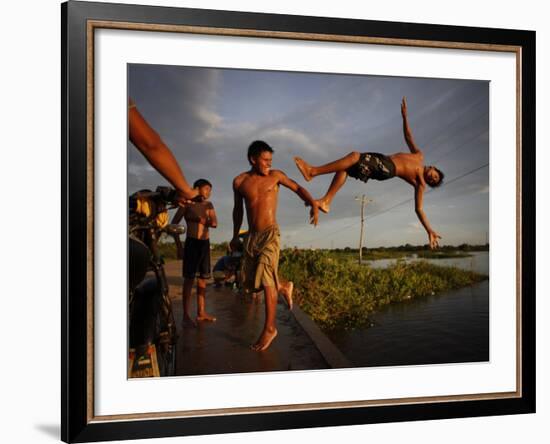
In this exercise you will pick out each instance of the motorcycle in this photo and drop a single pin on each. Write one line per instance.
(152, 328)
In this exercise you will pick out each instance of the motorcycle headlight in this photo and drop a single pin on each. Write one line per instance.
(162, 219)
(143, 206)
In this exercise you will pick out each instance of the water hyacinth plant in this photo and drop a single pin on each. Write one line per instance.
(338, 293)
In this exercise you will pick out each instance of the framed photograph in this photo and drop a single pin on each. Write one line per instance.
(276, 222)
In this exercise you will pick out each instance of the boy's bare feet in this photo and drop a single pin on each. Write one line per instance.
(188, 322)
(265, 340)
(206, 318)
(286, 291)
(324, 205)
(304, 168)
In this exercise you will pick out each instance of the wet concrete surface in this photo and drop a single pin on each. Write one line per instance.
(223, 346)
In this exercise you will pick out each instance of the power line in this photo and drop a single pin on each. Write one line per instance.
(449, 126)
(438, 160)
(447, 183)
(429, 191)
(466, 174)
(460, 146)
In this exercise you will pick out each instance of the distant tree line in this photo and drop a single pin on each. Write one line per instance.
(409, 247)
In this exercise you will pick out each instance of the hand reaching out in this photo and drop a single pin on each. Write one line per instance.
(185, 199)
(433, 236)
(314, 213)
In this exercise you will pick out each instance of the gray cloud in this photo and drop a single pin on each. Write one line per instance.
(208, 117)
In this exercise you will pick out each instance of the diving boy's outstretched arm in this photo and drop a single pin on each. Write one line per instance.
(407, 130)
(418, 207)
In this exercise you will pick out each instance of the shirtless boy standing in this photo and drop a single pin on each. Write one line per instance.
(259, 188)
(199, 216)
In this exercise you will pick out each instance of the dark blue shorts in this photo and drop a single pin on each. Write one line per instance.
(196, 258)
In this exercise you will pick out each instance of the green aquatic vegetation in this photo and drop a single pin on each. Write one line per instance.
(337, 292)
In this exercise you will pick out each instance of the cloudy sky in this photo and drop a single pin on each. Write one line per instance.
(208, 117)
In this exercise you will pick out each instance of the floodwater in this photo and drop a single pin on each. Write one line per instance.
(478, 262)
(446, 328)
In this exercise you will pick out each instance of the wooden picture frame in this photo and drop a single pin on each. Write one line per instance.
(79, 22)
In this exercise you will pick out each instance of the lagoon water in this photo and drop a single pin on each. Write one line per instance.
(478, 262)
(445, 328)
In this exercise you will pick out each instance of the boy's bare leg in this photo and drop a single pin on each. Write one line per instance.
(309, 172)
(286, 288)
(337, 182)
(269, 332)
(188, 321)
(201, 301)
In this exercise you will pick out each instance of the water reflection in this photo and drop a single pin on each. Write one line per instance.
(445, 328)
(478, 262)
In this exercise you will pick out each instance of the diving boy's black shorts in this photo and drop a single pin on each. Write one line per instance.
(196, 258)
(372, 166)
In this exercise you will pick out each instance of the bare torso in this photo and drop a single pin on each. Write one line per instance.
(194, 211)
(260, 195)
(409, 167)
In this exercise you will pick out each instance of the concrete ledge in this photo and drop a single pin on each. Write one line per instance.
(334, 357)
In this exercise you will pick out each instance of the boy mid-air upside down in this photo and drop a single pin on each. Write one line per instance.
(364, 166)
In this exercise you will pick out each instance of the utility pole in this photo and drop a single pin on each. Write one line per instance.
(364, 201)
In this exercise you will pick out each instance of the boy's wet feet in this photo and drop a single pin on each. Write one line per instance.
(205, 317)
(324, 205)
(265, 340)
(286, 291)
